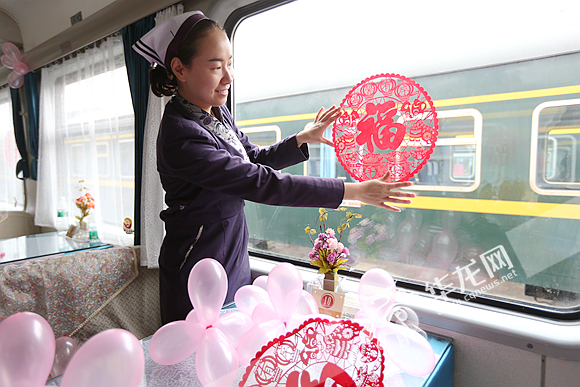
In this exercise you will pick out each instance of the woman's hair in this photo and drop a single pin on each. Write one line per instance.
(162, 81)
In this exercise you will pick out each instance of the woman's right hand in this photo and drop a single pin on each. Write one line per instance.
(379, 193)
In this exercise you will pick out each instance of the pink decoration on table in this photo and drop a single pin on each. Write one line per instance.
(395, 327)
(260, 331)
(282, 308)
(389, 124)
(13, 60)
(27, 348)
(65, 349)
(215, 338)
(112, 358)
(261, 281)
(316, 351)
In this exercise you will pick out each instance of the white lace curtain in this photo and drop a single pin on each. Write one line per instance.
(87, 133)
(152, 194)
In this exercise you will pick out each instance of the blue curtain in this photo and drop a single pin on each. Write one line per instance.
(22, 165)
(32, 100)
(138, 73)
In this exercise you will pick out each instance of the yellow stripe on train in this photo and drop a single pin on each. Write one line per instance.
(502, 207)
(439, 103)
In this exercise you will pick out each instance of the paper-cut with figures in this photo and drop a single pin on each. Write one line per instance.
(389, 124)
(317, 351)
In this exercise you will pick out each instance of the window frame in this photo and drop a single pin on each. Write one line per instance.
(504, 307)
(534, 151)
(475, 140)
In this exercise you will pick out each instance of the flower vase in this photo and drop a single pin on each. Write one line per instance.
(330, 281)
(82, 231)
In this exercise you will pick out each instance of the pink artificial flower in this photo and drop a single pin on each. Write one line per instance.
(340, 247)
(331, 258)
(370, 239)
(330, 231)
(332, 244)
(345, 251)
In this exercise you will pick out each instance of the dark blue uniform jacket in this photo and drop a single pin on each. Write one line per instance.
(206, 181)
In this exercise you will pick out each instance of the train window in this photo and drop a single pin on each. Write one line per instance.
(455, 163)
(103, 156)
(11, 189)
(555, 155)
(477, 230)
(88, 117)
(263, 135)
(127, 153)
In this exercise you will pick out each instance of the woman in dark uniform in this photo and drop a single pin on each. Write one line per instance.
(208, 167)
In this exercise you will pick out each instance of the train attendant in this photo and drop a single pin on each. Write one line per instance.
(208, 167)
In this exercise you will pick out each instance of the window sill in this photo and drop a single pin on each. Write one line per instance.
(557, 339)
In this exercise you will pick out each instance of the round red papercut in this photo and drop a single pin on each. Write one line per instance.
(389, 124)
(316, 351)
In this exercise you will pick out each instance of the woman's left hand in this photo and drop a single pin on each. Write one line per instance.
(314, 133)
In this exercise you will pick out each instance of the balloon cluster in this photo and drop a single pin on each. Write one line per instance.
(28, 349)
(271, 307)
(276, 308)
(395, 327)
(224, 342)
(13, 60)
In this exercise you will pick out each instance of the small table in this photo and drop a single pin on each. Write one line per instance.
(42, 245)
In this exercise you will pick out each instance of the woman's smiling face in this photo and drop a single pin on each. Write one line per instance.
(206, 82)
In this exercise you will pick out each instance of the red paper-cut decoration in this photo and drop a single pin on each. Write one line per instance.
(316, 351)
(389, 124)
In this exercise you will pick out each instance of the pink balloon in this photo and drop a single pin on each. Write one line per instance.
(306, 305)
(216, 362)
(285, 289)
(257, 337)
(368, 324)
(20, 68)
(233, 325)
(376, 293)
(451, 220)
(263, 312)
(11, 51)
(247, 297)
(423, 243)
(261, 281)
(360, 315)
(407, 234)
(443, 251)
(15, 80)
(65, 349)
(175, 342)
(192, 316)
(405, 316)
(414, 216)
(112, 358)
(207, 286)
(27, 348)
(7, 61)
(407, 349)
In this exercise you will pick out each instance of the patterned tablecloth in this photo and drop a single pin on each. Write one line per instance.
(67, 289)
